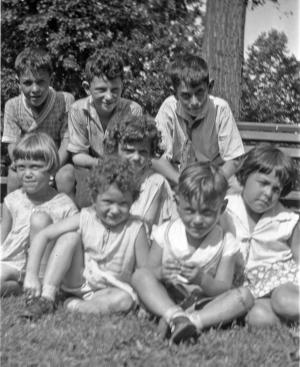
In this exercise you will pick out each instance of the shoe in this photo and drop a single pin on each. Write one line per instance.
(182, 330)
(36, 307)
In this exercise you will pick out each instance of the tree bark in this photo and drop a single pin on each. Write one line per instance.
(223, 48)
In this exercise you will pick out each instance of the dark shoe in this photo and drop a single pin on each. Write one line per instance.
(182, 329)
(36, 307)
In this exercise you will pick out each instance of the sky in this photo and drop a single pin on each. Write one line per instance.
(284, 16)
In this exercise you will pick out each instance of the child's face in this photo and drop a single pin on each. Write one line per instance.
(113, 206)
(137, 153)
(193, 100)
(35, 87)
(106, 93)
(261, 191)
(199, 221)
(33, 175)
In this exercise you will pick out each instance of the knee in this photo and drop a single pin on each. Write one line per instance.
(121, 302)
(285, 301)
(260, 317)
(65, 178)
(39, 220)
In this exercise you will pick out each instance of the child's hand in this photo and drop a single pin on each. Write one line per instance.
(192, 272)
(32, 285)
(170, 269)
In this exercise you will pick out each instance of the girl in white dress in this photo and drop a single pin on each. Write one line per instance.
(138, 141)
(268, 233)
(32, 207)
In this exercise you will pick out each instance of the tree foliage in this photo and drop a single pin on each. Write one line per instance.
(271, 81)
(145, 33)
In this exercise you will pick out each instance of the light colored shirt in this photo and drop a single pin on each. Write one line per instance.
(214, 138)
(268, 242)
(85, 127)
(111, 251)
(19, 119)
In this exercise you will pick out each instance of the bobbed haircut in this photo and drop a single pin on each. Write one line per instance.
(266, 158)
(113, 170)
(38, 147)
(136, 129)
(104, 63)
(190, 69)
(33, 59)
(203, 183)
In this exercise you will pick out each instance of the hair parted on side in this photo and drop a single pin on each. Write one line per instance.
(136, 129)
(113, 170)
(39, 147)
(202, 182)
(190, 69)
(267, 158)
(105, 62)
(33, 59)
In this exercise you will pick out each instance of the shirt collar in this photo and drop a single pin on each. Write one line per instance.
(191, 120)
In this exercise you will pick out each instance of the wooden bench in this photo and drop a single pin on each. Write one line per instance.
(286, 137)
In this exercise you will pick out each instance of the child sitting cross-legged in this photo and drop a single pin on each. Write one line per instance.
(193, 256)
(96, 265)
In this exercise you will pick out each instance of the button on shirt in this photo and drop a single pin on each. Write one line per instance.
(214, 138)
(85, 127)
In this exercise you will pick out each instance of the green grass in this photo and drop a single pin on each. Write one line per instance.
(66, 339)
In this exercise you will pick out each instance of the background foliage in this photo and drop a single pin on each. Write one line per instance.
(146, 33)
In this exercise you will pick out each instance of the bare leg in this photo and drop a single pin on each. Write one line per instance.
(223, 309)
(262, 314)
(104, 301)
(65, 180)
(285, 301)
(9, 281)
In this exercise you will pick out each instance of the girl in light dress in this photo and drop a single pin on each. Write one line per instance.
(32, 207)
(269, 234)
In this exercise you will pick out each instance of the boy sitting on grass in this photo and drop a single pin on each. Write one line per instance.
(91, 117)
(192, 256)
(196, 126)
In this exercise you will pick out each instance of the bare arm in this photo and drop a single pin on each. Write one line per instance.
(6, 223)
(84, 160)
(165, 168)
(63, 152)
(295, 243)
(141, 248)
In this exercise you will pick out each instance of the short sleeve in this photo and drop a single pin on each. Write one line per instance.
(229, 138)
(231, 245)
(136, 109)
(165, 120)
(68, 101)
(11, 129)
(78, 134)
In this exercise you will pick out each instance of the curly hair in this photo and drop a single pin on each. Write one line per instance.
(105, 62)
(202, 182)
(113, 170)
(266, 158)
(39, 147)
(137, 129)
(33, 59)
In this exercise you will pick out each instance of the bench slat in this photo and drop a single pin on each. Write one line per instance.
(292, 152)
(270, 136)
(267, 126)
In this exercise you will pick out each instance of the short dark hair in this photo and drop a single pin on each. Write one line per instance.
(266, 158)
(203, 182)
(104, 63)
(135, 129)
(33, 59)
(113, 170)
(190, 69)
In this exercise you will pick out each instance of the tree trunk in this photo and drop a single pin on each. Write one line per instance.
(223, 48)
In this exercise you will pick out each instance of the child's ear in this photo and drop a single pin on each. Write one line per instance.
(223, 206)
(86, 87)
(211, 85)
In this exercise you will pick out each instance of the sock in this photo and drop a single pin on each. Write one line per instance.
(196, 319)
(172, 312)
(71, 304)
(49, 292)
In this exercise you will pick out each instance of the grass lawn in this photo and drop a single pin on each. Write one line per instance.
(66, 339)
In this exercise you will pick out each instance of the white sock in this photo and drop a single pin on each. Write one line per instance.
(196, 320)
(49, 291)
(173, 312)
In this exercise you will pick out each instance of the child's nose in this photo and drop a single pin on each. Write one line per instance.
(194, 100)
(35, 87)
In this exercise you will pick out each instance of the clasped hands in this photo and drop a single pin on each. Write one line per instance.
(181, 271)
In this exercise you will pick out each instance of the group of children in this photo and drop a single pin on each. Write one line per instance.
(115, 210)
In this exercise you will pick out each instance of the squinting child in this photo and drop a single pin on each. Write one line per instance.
(38, 108)
(114, 243)
(137, 140)
(269, 234)
(195, 125)
(192, 255)
(30, 208)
